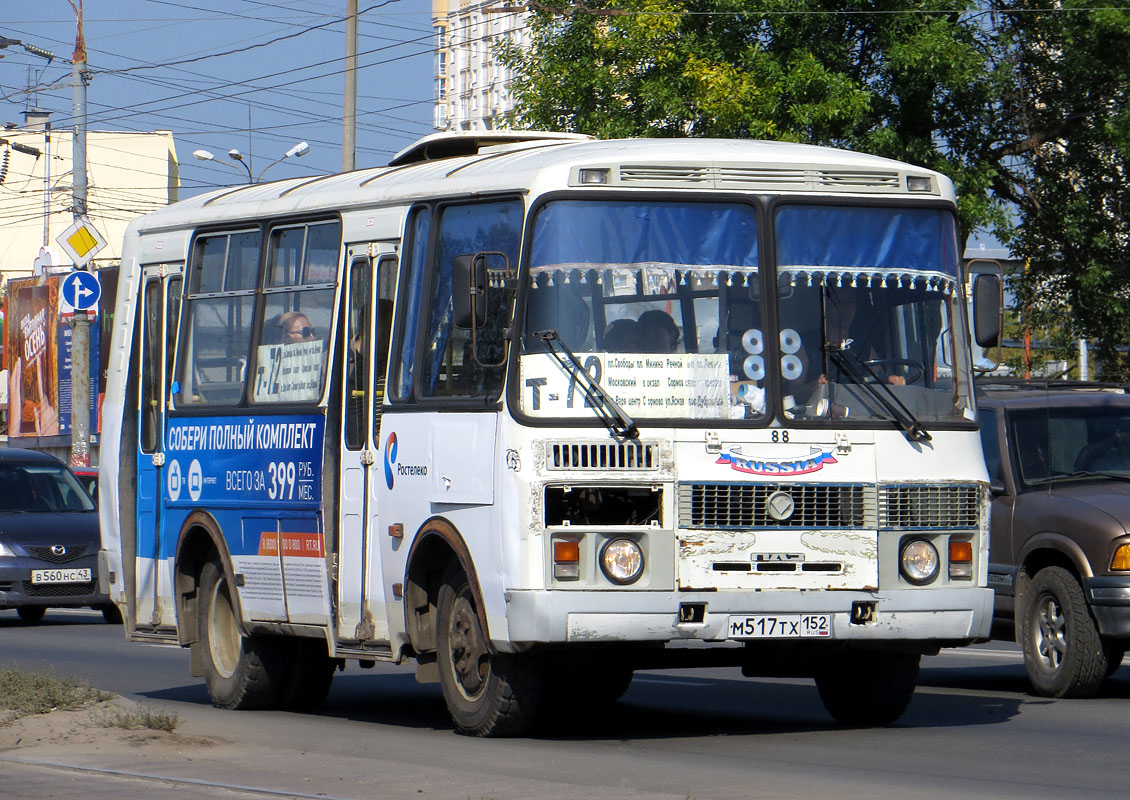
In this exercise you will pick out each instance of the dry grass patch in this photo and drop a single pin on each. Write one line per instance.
(137, 719)
(23, 693)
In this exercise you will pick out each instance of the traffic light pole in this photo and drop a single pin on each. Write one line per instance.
(80, 333)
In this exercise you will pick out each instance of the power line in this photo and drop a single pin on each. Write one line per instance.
(242, 49)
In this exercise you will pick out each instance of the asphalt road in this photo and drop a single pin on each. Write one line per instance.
(971, 731)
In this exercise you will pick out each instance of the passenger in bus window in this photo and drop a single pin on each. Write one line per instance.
(658, 332)
(622, 336)
(296, 327)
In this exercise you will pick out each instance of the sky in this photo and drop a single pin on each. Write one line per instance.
(259, 76)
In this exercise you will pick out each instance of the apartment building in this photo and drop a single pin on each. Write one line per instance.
(472, 89)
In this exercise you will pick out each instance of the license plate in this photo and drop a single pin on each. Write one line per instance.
(60, 575)
(781, 626)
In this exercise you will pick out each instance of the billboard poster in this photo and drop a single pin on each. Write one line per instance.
(38, 348)
(33, 386)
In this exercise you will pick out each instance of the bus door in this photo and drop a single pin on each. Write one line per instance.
(160, 308)
(371, 282)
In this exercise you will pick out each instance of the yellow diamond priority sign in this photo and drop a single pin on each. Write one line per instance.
(81, 241)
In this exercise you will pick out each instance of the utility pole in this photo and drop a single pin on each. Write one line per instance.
(349, 117)
(80, 333)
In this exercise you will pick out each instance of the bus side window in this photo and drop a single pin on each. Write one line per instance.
(357, 353)
(293, 345)
(384, 331)
(449, 368)
(411, 299)
(219, 310)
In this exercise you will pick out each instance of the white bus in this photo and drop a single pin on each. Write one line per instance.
(536, 410)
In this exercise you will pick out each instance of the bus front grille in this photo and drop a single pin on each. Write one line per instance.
(924, 506)
(721, 506)
(728, 506)
(623, 456)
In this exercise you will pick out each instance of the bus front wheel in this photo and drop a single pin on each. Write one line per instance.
(868, 688)
(241, 672)
(487, 693)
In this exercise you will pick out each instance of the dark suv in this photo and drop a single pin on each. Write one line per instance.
(1058, 456)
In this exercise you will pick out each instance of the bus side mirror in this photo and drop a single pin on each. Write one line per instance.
(468, 291)
(987, 309)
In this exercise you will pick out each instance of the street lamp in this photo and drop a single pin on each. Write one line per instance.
(299, 150)
(235, 155)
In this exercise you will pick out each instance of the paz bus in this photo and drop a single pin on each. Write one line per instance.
(537, 411)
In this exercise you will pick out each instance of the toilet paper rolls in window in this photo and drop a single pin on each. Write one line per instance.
(752, 342)
(791, 367)
(790, 341)
(754, 368)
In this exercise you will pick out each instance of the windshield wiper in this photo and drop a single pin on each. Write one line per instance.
(858, 370)
(619, 424)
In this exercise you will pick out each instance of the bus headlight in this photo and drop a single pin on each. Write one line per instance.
(621, 561)
(919, 561)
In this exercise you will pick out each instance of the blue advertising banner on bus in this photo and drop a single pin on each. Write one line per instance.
(242, 460)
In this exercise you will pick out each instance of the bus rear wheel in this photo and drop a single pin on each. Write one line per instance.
(310, 671)
(241, 672)
(487, 693)
(868, 688)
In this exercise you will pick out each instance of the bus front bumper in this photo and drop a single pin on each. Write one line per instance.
(951, 616)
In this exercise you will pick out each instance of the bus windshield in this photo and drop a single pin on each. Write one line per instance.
(868, 301)
(661, 302)
(655, 298)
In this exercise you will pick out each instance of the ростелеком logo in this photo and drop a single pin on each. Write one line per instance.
(390, 458)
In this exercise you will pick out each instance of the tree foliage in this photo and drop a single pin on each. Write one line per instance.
(1070, 123)
(1023, 104)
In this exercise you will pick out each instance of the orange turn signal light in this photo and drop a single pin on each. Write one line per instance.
(565, 552)
(1121, 558)
(961, 551)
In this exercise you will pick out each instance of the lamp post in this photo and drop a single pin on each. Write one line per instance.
(299, 150)
(235, 155)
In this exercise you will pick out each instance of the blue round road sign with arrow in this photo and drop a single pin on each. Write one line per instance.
(81, 290)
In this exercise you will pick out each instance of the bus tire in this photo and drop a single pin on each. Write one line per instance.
(1063, 652)
(310, 672)
(487, 694)
(868, 688)
(596, 681)
(241, 672)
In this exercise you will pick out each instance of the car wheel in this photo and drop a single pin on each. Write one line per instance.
(487, 694)
(1114, 655)
(110, 614)
(31, 614)
(868, 688)
(241, 672)
(1063, 652)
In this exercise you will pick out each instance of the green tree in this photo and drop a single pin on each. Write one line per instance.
(1070, 129)
(1022, 103)
(912, 81)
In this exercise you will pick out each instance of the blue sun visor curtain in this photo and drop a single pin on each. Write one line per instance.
(582, 232)
(880, 240)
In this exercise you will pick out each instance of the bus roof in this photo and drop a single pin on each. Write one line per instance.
(538, 163)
